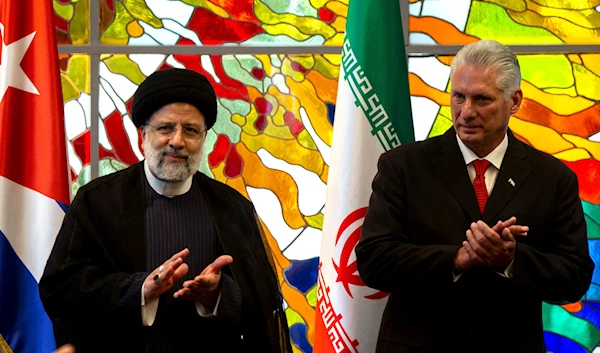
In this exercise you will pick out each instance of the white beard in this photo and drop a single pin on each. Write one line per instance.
(171, 172)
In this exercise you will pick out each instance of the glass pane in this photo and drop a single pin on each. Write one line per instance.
(72, 21)
(560, 116)
(75, 80)
(509, 22)
(271, 142)
(217, 22)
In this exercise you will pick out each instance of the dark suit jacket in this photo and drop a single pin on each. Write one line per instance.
(91, 286)
(422, 204)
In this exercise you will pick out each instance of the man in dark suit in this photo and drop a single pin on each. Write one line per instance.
(441, 232)
(159, 257)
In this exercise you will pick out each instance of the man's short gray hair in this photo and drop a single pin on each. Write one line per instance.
(491, 54)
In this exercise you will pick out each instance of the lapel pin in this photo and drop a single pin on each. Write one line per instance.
(511, 182)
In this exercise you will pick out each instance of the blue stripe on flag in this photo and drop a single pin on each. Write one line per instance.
(63, 206)
(23, 321)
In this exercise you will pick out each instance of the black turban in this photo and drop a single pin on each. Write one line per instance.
(170, 86)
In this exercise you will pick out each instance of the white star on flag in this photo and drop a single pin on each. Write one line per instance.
(11, 73)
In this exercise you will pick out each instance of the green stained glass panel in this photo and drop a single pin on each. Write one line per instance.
(72, 21)
(223, 22)
(511, 22)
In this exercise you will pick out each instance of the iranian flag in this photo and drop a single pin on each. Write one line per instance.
(372, 116)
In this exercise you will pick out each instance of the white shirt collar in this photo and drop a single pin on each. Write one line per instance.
(164, 188)
(495, 157)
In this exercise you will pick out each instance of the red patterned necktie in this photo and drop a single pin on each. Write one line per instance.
(481, 165)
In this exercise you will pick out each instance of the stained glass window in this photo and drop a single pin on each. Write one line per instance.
(273, 135)
(510, 22)
(271, 142)
(221, 22)
(560, 115)
(75, 80)
(72, 21)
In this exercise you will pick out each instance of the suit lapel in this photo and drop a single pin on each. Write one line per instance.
(514, 171)
(451, 165)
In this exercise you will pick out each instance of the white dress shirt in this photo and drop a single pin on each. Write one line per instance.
(169, 190)
(491, 174)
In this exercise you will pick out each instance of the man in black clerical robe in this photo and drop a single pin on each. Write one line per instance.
(159, 257)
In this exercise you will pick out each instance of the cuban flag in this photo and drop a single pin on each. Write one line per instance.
(34, 174)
